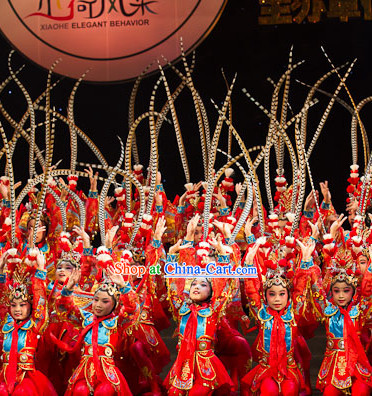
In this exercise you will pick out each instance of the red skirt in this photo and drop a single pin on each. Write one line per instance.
(208, 371)
(57, 365)
(41, 386)
(111, 374)
(334, 371)
(255, 377)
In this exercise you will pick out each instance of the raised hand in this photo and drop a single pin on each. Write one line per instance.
(249, 225)
(249, 258)
(30, 238)
(158, 178)
(40, 261)
(110, 235)
(352, 206)
(197, 186)
(158, 199)
(3, 259)
(223, 227)
(182, 199)
(310, 200)
(315, 233)
(306, 249)
(238, 188)
(336, 225)
(84, 236)
(115, 278)
(92, 179)
(160, 228)
(221, 198)
(191, 227)
(177, 247)
(64, 190)
(325, 191)
(108, 202)
(73, 279)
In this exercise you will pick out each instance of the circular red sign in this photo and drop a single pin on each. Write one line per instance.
(115, 39)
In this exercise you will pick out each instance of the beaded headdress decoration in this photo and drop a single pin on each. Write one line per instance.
(68, 252)
(345, 275)
(21, 271)
(279, 271)
(110, 288)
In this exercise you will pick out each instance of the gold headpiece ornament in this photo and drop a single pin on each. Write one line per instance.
(110, 288)
(345, 275)
(278, 272)
(276, 279)
(72, 257)
(138, 255)
(21, 271)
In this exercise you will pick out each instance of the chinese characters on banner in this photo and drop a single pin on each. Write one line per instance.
(273, 12)
(96, 8)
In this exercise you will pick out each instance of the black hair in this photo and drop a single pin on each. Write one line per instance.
(367, 219)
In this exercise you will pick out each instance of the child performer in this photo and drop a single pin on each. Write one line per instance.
(25, 290)
(147, 351)
(56, 364)
(101, 331)
(345, 368)
(197, 370)
(276, 312)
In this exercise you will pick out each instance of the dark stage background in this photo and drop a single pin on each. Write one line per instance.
(238, 45)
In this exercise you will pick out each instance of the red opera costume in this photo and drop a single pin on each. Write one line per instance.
(197, 370)
(100, 337)
(20, 339)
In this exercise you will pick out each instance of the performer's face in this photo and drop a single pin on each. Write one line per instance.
(103, 304)
(277, 297)
(198, 234)
(19, 309)
(200, 290)
(342, 293)
(362, 263)
(63, 271)
(40, 236)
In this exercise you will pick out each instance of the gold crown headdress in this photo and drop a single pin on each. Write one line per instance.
(138, 255)
(278, 272)
(19, 290)
(346, 275)
(110, 288)
(20, 272)
(72, 257)
(68, 252)
(277, 278)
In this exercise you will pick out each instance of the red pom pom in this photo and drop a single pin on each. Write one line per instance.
(201, 206)
(342, 263)
(64, 245)
(79, 248)
(282, 263)
(290, 256)
(290, 274)
(358, 273)
(350, 189)
(349, 271)
(270, 264)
